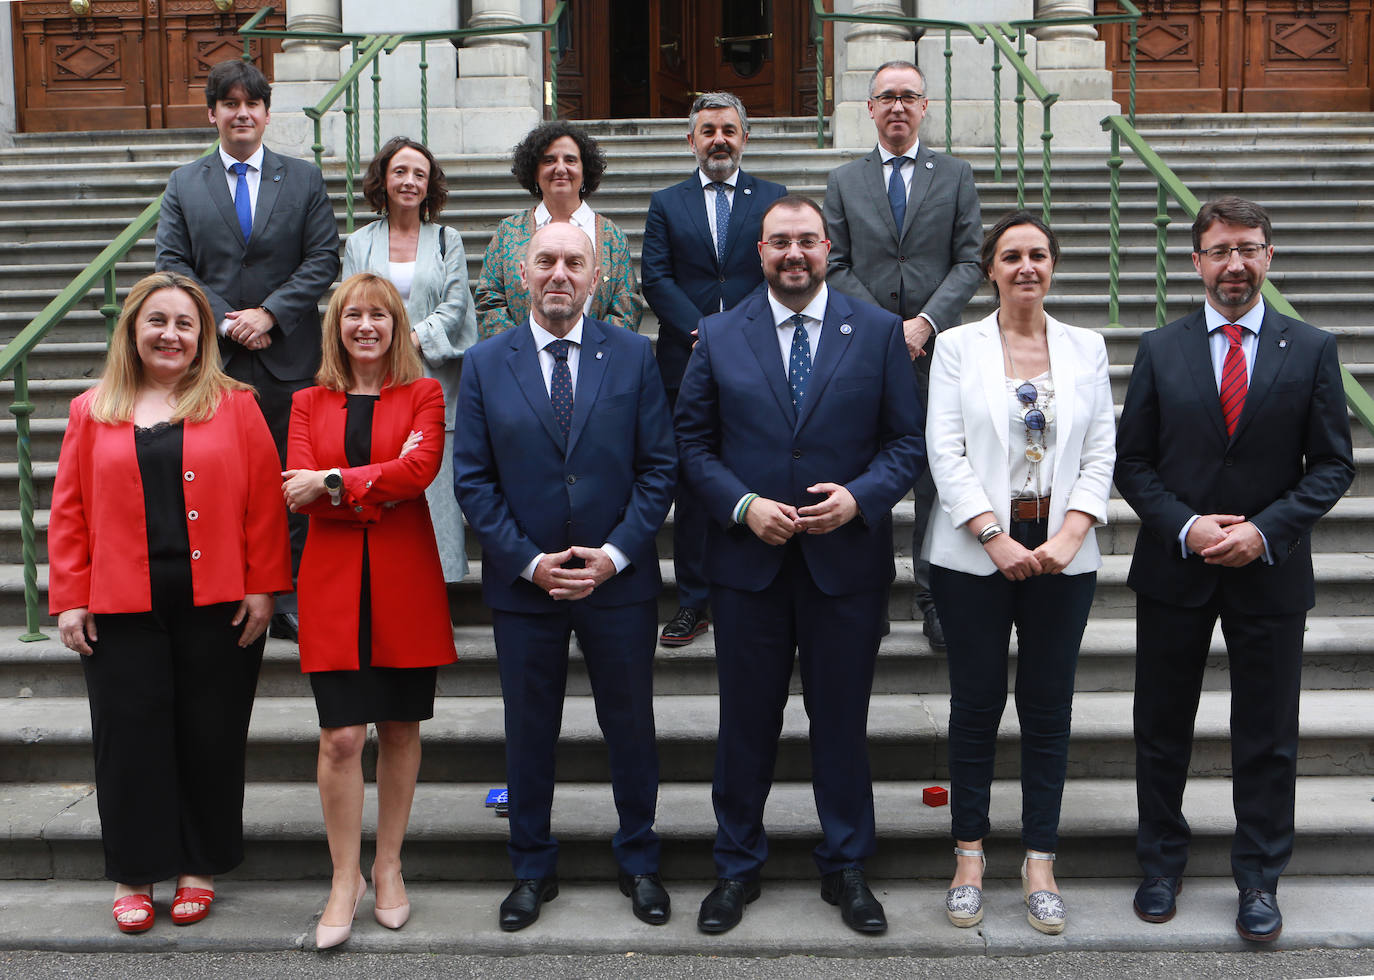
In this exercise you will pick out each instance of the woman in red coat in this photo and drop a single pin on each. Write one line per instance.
(166, 541)
(374, 617)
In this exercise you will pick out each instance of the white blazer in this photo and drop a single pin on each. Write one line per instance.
(968, 439)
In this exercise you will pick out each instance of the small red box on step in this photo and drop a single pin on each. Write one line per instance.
(935, 796)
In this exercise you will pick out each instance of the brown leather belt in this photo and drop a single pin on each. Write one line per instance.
(1030, 508)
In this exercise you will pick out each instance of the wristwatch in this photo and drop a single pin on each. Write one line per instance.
(333, 484)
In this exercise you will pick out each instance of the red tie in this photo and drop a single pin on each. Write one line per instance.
(1233, 380)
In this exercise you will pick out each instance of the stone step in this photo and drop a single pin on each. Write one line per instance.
(48, 739)
(53, 831)
(1338, 654)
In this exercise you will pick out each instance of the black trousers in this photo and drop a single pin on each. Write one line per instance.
(978, 612)
(1265, 654)
(923, 492)
(171, 694)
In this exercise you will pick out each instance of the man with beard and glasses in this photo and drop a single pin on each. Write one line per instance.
(1233, 441)
(799, 430)
(700, 257)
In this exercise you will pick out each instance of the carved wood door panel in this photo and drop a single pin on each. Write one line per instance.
(1245, 55)
(126, 64)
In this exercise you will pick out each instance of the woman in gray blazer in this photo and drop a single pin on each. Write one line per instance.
(1021, 443)
(426, 263)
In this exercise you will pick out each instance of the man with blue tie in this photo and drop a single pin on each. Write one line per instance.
(257, 231)
(799, 431)
(1234, 440)
(564, 465)
(700, 257)
(906, 229)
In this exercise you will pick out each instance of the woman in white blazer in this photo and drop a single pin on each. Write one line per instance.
(426, 262)
(1021, 443)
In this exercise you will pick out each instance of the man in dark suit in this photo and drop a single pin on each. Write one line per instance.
(566, 493)
(1233, 441)
(905, 230)
(798, 428)
(701, 257)
(257, 232)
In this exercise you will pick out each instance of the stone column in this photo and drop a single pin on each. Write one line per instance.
(866, 46)
(303, 72)
(500, 93)
(1046, 9)
(1072, 62)
(8, 103)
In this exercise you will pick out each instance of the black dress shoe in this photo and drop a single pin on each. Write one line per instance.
(722, 909)
(648, 897)
(521, 907)
(685, 627)
(859, 909)
(934, 632)
(1258, 919)
(284, 626)
(1154, 899)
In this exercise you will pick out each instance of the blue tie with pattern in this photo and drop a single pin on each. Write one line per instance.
(242, 205)
(896, 191)
(560, 385)
(799, 365)
(722, 216)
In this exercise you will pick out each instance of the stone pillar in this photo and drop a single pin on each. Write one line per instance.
(8, 103)
(866, 46)
(500, 94)
(303, 72)
(1072, 62)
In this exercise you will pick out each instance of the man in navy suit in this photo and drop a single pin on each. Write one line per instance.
(701, 257)
(257, 232)
(563, 462)
(1233, 441)
(799, 430)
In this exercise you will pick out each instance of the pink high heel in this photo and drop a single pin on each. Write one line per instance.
(327, 937)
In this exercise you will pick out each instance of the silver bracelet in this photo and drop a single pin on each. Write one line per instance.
(990, 531)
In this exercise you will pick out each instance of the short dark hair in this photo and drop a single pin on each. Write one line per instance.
(525, 162)
(988, 255)
(1232, 211)
(794, 202)
(374, 182)
(227, 74)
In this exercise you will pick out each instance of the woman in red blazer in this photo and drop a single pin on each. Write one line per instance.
(166, 541)
(364, 445)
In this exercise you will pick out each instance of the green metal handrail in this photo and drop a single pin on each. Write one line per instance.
(1000, 35)
(367, 52)
(1168, 185)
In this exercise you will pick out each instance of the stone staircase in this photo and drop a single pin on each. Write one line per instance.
(63, 197)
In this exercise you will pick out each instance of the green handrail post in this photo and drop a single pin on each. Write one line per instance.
(997, 114)
(1045, 138)
(949, 89)
(424, 93)
(1161, 255)
(21, 408)
(1132, 44)
(1114, 163)
(376, 107)
(110, 308)
(819, 43)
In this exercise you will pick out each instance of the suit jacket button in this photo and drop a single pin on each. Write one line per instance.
(796, 454)
(1229, 461)
(722, 278)
(571, 479)
(901, 258)
(189, 476)
(195, 555)
(192, 515)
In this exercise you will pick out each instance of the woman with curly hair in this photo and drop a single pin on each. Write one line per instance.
(561, 166)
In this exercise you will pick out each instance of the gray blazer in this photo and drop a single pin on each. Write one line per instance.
(440, 305)
(934, 258)
(285, 266)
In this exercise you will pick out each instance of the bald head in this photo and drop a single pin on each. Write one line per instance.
(559, 270)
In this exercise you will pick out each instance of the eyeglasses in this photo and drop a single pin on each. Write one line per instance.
(907, 99)
(1027, 394)
(1249, 251)
(780, 244)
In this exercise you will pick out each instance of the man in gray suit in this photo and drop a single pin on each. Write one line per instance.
(257, 232)
(905, 230)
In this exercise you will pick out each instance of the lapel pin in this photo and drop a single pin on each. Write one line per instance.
(598, 355)
(846, 329)
(748, 190)
(276, 178)
(930, 165)
(1283, 344)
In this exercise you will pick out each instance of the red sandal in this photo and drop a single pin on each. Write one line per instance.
(134, 903)
(203, 896)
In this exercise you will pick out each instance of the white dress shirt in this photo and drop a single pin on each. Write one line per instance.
(542, 340)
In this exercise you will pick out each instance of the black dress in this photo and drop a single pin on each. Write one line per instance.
(369, 694)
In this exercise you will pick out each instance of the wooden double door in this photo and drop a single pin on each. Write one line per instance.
(628, 58)
(126, 64)
(1245, 55)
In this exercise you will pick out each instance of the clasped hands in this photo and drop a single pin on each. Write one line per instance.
(560, 582)
(1225, 539)
(774, 523)
(249, 327)
(300, 488)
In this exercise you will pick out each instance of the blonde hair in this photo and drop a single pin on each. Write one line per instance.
(403, 363)
(200, 389)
